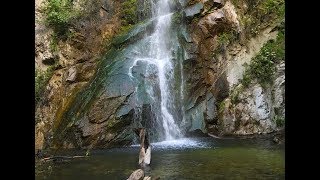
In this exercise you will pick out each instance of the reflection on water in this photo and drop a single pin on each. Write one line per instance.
(201, 158)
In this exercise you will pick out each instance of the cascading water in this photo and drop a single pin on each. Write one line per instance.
(139, 83)
(160, 56)
(163, 58)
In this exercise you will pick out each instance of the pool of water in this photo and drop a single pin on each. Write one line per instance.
(187, 158)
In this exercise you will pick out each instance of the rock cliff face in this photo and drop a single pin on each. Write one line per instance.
(90, 101)
(224, 42)
(73, 60)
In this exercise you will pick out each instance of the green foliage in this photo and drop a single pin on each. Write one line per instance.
(272, 6)
(280, 121)
(224, 39)
(263, 65)
(260, 13)
(59, 14)
(235, 99)
(221, 106)
(125, 29)
(54, 42)
(128, 15)
(41, 80)
(246, 79)
(129, 12)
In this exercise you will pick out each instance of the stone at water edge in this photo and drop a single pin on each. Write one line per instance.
(137, 175)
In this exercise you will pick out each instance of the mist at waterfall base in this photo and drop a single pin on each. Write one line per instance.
(192, 158)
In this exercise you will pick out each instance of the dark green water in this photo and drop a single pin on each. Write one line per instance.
(201, 158)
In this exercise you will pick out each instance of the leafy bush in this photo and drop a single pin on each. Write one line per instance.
(263, 65)
(272, 6)
(226, 37)
(260, 13)
(59, 16)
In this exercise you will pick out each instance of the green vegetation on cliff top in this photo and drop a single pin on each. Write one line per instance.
(128, 14)
(259, 14)
(263, 66)
(59, 14)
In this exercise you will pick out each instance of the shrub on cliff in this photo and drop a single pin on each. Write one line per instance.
(59, 14)
(128, 14)
(263, 66)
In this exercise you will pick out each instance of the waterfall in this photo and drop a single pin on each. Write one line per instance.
(163, 59)
(159, 57)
